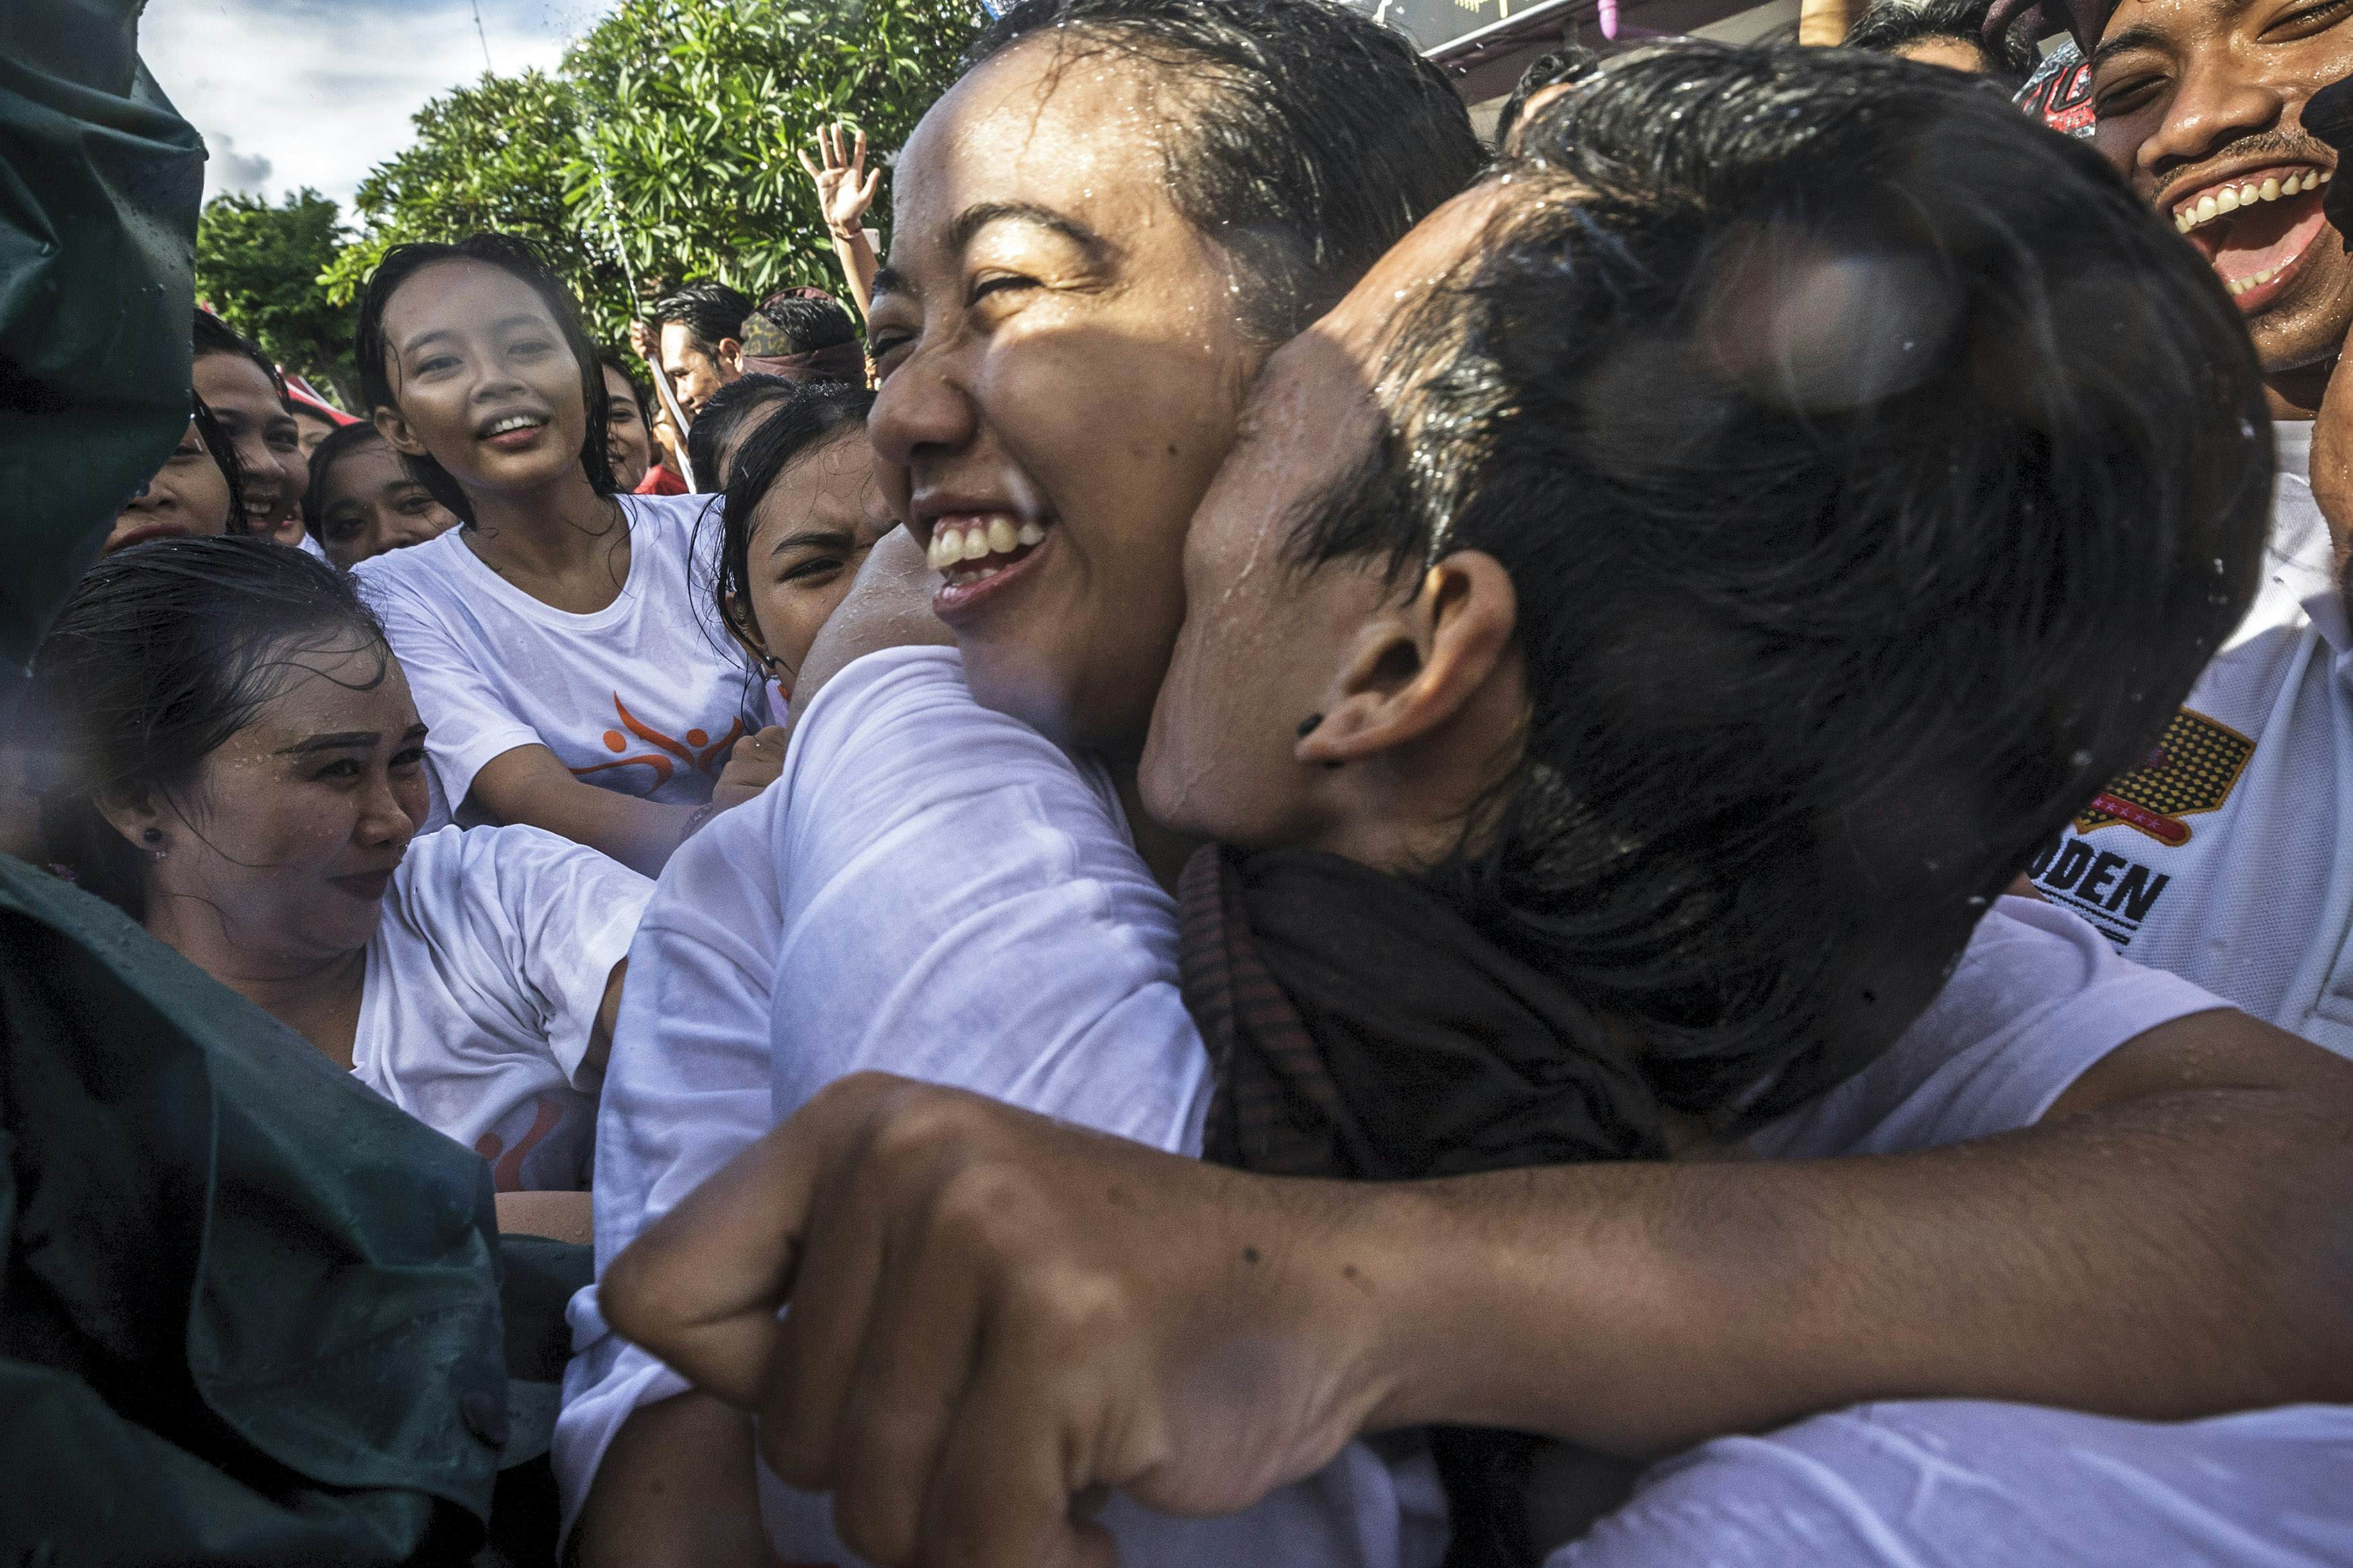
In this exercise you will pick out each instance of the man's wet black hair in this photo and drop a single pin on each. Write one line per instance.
(214, 336)
(1313, 138)
(1570, 62)
(1888, 26)
(801, 324)
(709, 311)
(166, 651)
(518, 259)
(1875, 471)
(223, 452)
(805, 417)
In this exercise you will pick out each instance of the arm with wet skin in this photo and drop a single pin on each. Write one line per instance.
(993, 1313)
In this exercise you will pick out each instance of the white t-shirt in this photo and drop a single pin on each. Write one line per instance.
(644, 698)
(484, 980)
(2225, 857)
(1969, 1484)
(1044, 972)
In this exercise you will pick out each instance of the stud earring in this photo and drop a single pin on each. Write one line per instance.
(155, 837)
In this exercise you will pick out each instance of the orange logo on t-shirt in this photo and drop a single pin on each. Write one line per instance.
(506, 1164)
(697, 751)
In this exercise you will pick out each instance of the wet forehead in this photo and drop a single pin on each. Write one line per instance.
(1072, 127)
(459, 294)
(2147, 23)
(1360, 325)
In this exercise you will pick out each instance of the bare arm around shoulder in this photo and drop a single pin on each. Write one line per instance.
(527, 785)
(2174, 1239)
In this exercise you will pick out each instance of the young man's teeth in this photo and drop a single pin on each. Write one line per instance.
(2231, 198)
(1029, 533)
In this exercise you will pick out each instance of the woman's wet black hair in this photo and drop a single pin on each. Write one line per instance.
(1888, 26)
(166, 651)
(223, 452)
(637, 388)
(332, 448)
(1314, 138)
(214, 336)
(1875, 471)
(806, 417)
(518, 259)
(723, 414)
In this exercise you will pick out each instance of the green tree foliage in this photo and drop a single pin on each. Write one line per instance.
(491, 155)
(688, 114)
(261, 268)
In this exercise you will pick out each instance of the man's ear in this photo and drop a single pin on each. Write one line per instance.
(730, 353)
(395, 430)
(133, 813)
(1418, 664)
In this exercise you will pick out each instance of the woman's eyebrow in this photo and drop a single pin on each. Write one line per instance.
(981, 214)
(337, 740)
(818, 536)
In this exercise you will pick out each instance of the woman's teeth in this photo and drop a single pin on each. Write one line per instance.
(516, 422)
(2231, 198)
(981, 547)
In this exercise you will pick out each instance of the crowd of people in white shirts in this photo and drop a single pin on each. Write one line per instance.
(1674, 785)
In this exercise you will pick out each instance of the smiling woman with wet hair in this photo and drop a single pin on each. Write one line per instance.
(553, 639)
(243, 773)
(1101, 232)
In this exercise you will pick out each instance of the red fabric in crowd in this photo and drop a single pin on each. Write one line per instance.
(659, 482)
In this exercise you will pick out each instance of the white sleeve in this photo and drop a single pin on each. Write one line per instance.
(686, 1089)
(2037, 999)
(962, 907)
(468, 722)
(564, 915)
(1972, 1484)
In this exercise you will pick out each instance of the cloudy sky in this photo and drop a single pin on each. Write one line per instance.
(314, 92)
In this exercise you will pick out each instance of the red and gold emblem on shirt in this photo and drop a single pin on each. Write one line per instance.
(2196, 764)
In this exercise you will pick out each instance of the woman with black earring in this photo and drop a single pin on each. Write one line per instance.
(242, 771)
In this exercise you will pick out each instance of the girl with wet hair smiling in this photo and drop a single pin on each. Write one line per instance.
(553, 639)
(196, 492)
(243, 773)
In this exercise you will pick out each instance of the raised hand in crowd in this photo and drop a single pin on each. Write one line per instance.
(845, 189)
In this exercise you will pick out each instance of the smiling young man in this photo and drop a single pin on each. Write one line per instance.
(2217, 857)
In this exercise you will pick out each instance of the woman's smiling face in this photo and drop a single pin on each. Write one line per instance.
(487, 384)
(1061, 371)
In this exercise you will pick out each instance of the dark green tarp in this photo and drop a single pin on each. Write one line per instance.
(248, 1311)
